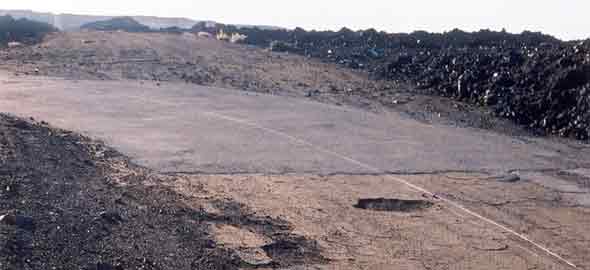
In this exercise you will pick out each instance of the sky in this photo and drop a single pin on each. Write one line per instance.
(565, 19)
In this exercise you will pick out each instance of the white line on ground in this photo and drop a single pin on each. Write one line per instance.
(397, 179)
(377, 170)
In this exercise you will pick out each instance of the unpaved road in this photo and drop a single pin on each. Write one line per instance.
(335, 156)
(209, 62)
(187, 128)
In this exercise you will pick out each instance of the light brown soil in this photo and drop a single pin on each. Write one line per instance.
(440, 237)
(271, 221)
(276, 220)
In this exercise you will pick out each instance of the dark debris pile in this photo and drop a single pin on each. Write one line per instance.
(60, 208)
(533, 79)
(546, 88)
(22, 31)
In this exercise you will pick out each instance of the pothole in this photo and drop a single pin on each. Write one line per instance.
(393, 205)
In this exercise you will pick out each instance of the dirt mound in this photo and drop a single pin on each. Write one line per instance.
(163, 58)
(67, 202)
(127, 24)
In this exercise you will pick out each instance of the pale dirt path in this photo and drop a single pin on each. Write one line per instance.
(178, 127)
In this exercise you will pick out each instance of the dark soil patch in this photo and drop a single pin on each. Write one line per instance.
(66, 207)
(393, 205)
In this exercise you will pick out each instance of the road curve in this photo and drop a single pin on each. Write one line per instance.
(187, 128)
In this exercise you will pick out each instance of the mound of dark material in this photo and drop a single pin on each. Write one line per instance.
(61, 207)
(534, 79)
(22, 30)
(545, 87)
(126, 24)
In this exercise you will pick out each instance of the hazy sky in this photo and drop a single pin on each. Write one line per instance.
(568, 19)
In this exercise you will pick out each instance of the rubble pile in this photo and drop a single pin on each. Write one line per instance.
(543, 87)
(533, 79)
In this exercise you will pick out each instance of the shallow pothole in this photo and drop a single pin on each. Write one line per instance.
(393, 205)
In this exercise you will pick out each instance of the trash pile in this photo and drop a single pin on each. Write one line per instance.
(533, 79)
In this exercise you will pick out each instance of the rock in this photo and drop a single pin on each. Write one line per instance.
(254, 257)
(313, 93)
(510, 178)
(106, 266)
(490, 245)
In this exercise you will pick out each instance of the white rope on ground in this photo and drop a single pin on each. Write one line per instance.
(399, 180)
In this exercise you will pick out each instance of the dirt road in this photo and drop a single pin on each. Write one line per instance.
(209, 62)
(187, 128)
(309, 163)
